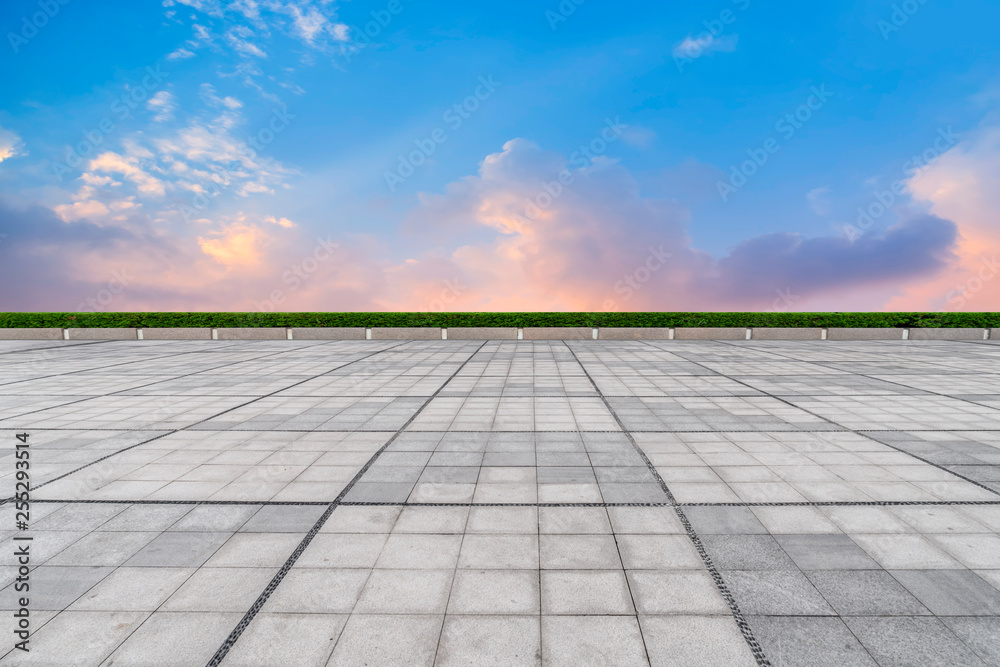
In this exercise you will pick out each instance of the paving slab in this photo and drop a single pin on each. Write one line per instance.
(486, 500)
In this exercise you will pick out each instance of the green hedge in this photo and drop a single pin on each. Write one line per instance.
(152, 320)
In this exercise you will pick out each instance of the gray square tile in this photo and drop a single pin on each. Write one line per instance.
(908, 640)
(499, 552)
(215, 518)
(383, 639)
(951, 592)
(100, 548)
(675, 592)
(87, 636)
(580, 640)
(417, 551)
(497, 639)
(405, 592)
(982, 635)
(177, 549)
(746, 552)
(293, 639)
(724, 521)
(826, 552)
(55, 588)
(803, 641)
(658, 552)
(502, 592)
(133, 589)
(283, 519)
(220, 589)
(775, 593)
(589, 592)
(175, 639)
(318, 591)
(585, 552)
(379, 492)
(865, 593)
(681, 640)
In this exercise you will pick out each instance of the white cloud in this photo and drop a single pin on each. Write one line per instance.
(162, 104)
(239, 38)
(180, 54)
(87, 208)
(115, 163)
(704, 44)
(281, 222)
(98, 181)
(10, 145)
(208, 94)
(310, 24)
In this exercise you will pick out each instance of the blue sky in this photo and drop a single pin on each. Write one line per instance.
(124, 127)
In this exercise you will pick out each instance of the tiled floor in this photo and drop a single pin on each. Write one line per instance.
(460, 502)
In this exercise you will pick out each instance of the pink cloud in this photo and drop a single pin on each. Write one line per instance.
(531, 230)
(961, 186)
(592, 241)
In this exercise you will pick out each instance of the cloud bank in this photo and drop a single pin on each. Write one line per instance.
(530, 230)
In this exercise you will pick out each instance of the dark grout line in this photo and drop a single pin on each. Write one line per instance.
(261, 600)
(720, 584)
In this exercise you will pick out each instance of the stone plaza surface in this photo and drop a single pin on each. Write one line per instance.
(469, 502)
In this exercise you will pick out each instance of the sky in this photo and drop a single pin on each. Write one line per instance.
(319, 155)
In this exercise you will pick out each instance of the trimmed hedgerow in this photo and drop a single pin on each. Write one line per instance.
(154, 320)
